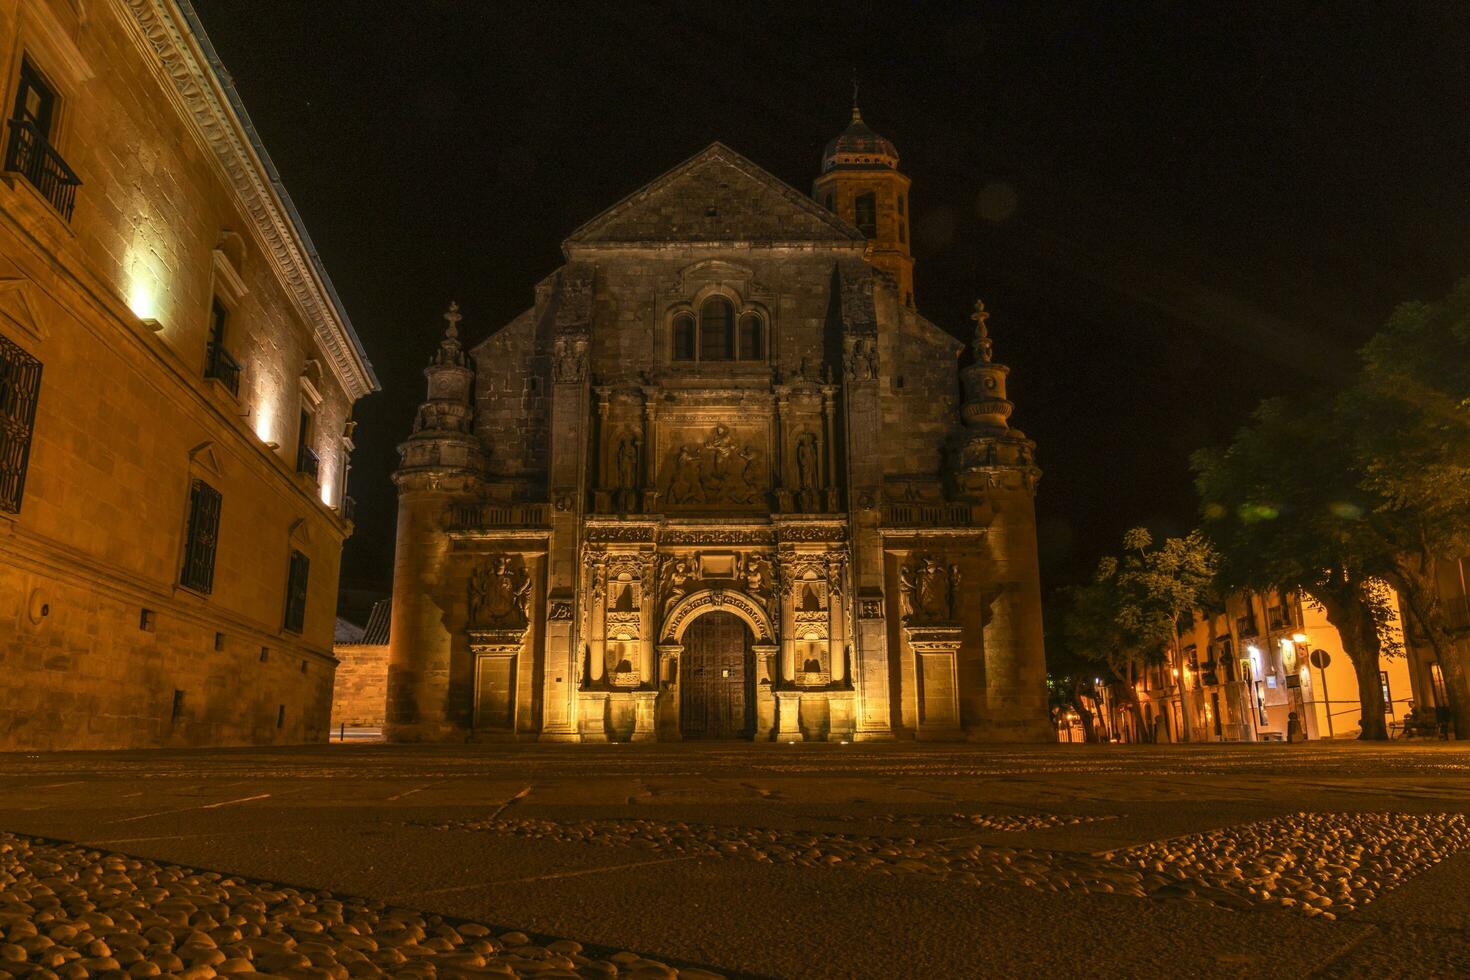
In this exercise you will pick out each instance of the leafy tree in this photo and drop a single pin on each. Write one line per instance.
(1285, 508)
(1408, 412)
(1128, 615)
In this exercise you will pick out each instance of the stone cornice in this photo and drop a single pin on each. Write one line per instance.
(165, 31)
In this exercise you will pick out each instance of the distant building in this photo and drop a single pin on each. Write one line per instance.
(177, 379)
(1239, 675)
(361, 688)
(721, 480)
(1430, 689)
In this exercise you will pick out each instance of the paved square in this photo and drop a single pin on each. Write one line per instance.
(759, 860)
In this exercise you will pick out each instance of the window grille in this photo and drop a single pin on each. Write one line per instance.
(203, 538)
(296, 592)
(20, 387)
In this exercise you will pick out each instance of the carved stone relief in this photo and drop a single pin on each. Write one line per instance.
(500, 594)
(929, 591)
(717, 469)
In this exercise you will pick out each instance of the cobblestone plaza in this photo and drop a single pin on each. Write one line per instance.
(787, 860)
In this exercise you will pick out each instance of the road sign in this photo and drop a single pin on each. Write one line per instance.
(1321, 659)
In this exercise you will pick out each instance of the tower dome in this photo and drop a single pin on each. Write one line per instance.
(859, 147)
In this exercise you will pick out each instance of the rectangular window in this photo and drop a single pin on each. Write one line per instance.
(178, 709)
(29, 151)
(202, 539)
(281, 716)
(865, 214)
(306, 457)
(296, 592)
(35, 102)
(1437, 687)
(219, 363)
(20, 388)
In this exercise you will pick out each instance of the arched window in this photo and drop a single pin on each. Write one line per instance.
(717, 330)
(684, 337)
(752, 338)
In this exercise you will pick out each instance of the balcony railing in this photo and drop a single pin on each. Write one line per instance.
(222, 367)
(473, 517)
(308, 462)
(905, 514)
(29, 155)
(1246, 626)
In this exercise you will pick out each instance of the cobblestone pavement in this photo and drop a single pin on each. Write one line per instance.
(70, 912)
(863, 861)
(1319, 864)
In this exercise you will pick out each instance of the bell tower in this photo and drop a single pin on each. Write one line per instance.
(861, 184)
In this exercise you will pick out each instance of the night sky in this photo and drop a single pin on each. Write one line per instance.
(1171, 211)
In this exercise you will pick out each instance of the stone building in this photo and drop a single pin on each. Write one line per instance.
(177, 379)
(361, 688)
(721, 480)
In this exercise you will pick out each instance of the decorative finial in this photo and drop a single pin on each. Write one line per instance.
(857, 115)
(982, 334)
(452, 332)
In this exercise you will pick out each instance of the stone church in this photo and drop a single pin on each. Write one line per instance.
(721, 481)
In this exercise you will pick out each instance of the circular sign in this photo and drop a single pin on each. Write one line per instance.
(1321, 659)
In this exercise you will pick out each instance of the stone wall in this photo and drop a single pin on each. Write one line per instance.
(361, 689)
(99, 644)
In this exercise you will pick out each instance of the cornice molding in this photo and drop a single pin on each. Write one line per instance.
(162, 32)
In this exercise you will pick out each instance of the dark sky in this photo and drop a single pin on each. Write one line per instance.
(1172, 210)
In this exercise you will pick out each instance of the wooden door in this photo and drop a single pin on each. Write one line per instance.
(713, 698)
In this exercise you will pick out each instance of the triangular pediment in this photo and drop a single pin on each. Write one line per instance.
(17, 308)
(716, 196)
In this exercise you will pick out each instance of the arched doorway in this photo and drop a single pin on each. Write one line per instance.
(716, 698)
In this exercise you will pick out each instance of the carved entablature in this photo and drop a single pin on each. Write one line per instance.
(929, 590)
(497, 642)
(694, 279)
(500, 593)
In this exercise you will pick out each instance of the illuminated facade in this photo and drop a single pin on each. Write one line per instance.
(721, 480)
(177, 379)
(1238, 675)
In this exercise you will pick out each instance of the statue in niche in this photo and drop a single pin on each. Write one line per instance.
(499, 595)
(685, 487)
(627, 464)
(806, 473)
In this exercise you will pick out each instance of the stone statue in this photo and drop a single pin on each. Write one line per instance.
(906, 589)
(720, 447)
(757, 573)
(806, 472)
(685, 485)
(749, 484)
(676, 575)
(627, 462)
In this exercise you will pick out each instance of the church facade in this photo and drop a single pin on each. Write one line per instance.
(721, 480)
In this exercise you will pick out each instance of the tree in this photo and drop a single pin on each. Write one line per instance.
(1071, 677)
(1285, 508)
(1408, 411)
(1129, 614)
